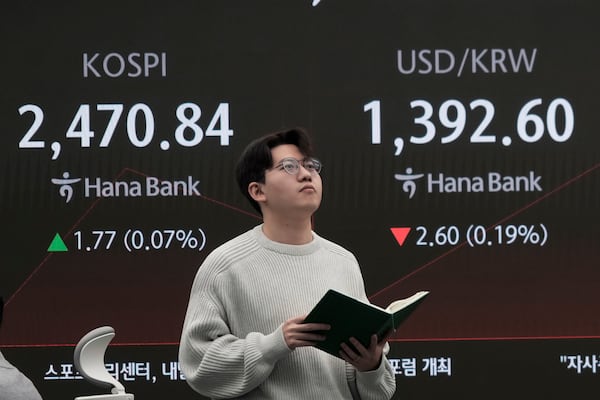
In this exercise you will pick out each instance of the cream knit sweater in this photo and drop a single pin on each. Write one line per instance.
(232, 344)
(14, 385)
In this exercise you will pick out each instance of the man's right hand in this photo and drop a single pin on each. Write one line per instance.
(298, 334)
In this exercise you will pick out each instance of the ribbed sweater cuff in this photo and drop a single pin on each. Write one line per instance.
(373, 376)
(273, 346)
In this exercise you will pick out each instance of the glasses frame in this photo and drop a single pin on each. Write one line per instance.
(292, 165)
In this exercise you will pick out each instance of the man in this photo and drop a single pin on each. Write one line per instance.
(13, 384)
(243, 335)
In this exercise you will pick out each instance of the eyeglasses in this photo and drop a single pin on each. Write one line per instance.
(292, 166)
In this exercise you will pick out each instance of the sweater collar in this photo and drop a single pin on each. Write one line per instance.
(283, 248)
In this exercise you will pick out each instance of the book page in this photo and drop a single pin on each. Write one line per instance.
(402, 303)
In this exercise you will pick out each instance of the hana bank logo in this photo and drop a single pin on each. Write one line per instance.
(409, 179)
(65, 188)
(491, 182)
(149, 187)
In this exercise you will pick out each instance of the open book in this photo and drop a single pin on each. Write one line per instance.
(350, 317)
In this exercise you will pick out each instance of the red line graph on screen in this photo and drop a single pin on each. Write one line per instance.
(18, 338)
(59, 289)
(564, 307)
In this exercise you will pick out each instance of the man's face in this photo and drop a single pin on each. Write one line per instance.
(287, 194)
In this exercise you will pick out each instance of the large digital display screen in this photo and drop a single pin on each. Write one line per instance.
(460, 152)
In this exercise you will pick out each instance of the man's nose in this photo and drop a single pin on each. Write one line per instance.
(303, 173)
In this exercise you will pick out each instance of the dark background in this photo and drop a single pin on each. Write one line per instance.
(504, 314)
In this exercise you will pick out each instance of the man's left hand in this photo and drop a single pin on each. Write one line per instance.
(364, 359)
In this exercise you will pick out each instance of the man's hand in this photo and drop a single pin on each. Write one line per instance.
(298, 334)
(364, 359)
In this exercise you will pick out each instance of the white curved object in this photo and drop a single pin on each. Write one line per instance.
(89, 361)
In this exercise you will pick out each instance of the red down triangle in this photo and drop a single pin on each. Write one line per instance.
(400, 234)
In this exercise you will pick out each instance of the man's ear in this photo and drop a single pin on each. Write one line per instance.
(256, 192)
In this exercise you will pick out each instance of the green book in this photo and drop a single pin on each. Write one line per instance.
(349, 317)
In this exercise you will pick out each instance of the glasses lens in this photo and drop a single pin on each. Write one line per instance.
(312, 165)
(290, 165)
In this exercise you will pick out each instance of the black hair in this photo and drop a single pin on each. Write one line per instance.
(1, 308)
(256, 157)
